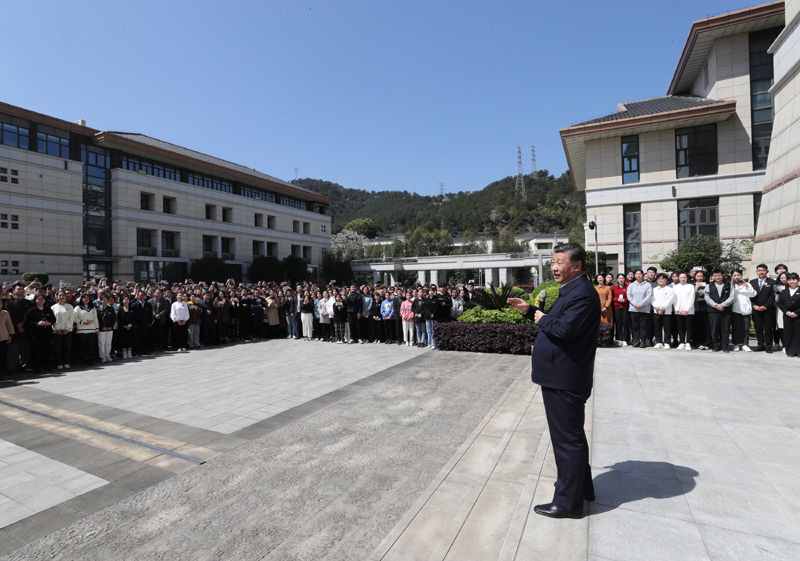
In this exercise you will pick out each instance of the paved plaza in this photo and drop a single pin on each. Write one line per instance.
(303, 450)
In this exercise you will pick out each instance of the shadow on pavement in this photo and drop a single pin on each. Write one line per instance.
(635, 480)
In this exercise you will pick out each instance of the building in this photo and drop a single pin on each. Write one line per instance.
(77, 202)
(778, 236)
(541, 243)
(691, 162)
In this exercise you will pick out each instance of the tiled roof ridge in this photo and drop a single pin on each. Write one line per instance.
(629, 106)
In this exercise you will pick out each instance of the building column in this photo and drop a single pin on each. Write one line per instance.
(503, 276)
(488, 277)
(219, 246)
(421, 277)
(435, 277)
(158, 243)
(376, 276)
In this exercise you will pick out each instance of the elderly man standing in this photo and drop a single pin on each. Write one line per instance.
(563, 365)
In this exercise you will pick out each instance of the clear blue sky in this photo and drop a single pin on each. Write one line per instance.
(371, 94)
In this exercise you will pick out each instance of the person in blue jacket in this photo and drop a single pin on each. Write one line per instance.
(563, 365)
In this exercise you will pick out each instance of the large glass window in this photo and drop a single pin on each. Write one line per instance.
(761, 77)
(11, 135)
(209, 182)
(633, 236)
(630, 159)
(96, 202)
(698, 217)
(52, 145)
(256, 193)
(696, 151)
(286, 201)
(157, 169)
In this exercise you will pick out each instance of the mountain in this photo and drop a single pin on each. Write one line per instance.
(551, 205)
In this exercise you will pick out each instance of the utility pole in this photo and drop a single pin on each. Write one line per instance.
(520, 186)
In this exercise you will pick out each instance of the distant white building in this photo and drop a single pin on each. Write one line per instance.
(541, 243)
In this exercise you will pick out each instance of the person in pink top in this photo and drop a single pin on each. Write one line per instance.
(407, 314)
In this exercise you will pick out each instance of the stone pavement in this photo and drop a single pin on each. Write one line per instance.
(400, 454)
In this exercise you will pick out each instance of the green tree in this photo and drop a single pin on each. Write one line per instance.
(708, 251)
(507, 244)
(364, 226)
(336, 269)
(589, 265)
(295, 268)
(210, 269)
(266, 269)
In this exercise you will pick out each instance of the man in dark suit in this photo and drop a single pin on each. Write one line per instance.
(719, 297)
(563, 365)
(763, 308)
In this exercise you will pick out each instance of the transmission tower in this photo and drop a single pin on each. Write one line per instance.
(441, 189)
(533, 161)
(520, 187)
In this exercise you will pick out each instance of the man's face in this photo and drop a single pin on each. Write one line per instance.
(793, 283)
(761, 272)
(158, 294)
(639, 276)
(19, 292)
(717, 278)
(662, 282)
(651, 275)
(563, 269)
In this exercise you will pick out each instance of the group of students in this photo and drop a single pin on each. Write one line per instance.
(693, 309)
(44, 328)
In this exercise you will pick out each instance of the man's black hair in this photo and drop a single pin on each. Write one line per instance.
(574, 252)
(652, 269)
(780, 266)
(762, 266)
(715, 271)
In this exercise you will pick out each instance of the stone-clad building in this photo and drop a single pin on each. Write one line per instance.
(778, 238)
(76, 201)
(692, 162)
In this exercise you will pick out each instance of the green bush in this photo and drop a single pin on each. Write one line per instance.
(552, 288)
(496, 298)
(482, 315)
(32, 276)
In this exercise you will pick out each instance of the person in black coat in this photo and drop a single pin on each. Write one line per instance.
(143, 319)
(719, 297)
(38, 323)
(563, 365)
(763, 309)
(789, 304)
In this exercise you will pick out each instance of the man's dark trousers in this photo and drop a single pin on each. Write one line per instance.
(565, 419)
(720, 326)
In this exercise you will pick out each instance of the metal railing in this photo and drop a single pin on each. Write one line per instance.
(146, 251)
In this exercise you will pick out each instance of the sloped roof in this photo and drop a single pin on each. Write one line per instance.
(654, 106)
(180, 150)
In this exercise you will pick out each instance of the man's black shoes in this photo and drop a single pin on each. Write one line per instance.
(588, 497)
(552, 511)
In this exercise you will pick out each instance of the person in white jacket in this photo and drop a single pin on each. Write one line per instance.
(62, 328)
(685, 297)
(742, 310)
(663, 300)
(179, 314)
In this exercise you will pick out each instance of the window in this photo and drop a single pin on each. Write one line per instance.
(272, 249)
(259, 220)
(696, 151)
(144, 242)
(146, 201)
(52, 145)
(543, 246)
(258, 248)
(271, 222)
(208, 246)
(698, 217)
(167, 240)
(256, 193)
(228, 248)
(761, 77)
(209, 182)
(227, 214)
(296, 226)
(286, 201)
(323, 228)
(756, 211)
(630, 159)
(170, 205)
(307, 252)
(17, 137)
(297, 251)
(211, 212)
(148, 167)
(633, 236)
(306, 227)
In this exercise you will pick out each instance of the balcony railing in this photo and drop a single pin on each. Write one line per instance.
(209, 254)
(228, 256)
(146, 251)
(170, 253)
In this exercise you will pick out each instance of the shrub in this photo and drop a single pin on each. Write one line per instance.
(552, 288)
(497, 337)
(495, 298)
(265, 269)
(481, 315)
(210, 269)
(32, 276)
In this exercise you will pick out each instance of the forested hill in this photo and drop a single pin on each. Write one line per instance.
(551, 205)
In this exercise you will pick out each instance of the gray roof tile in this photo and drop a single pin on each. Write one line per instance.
(655, 106)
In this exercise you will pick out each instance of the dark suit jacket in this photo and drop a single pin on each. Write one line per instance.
(765, 297)
(142, 313)
(564, 351)
(787, 304)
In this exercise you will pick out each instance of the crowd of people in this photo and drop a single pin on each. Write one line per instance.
(701, 310)
(45, 328)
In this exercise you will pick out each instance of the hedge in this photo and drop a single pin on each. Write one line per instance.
(498, 337)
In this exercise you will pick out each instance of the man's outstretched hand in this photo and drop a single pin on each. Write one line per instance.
(519, 304)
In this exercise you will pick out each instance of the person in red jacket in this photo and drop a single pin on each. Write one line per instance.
(620, 299)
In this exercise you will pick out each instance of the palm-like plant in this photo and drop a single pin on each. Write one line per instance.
(496, 298)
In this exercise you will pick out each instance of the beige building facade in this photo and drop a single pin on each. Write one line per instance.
(778, 237)
(692, 162)
(77, 202)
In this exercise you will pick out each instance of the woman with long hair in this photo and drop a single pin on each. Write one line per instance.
(86, 320)
(619, 294)
(789, 305)
(125, 319)
(606, 300)
(780, 286)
